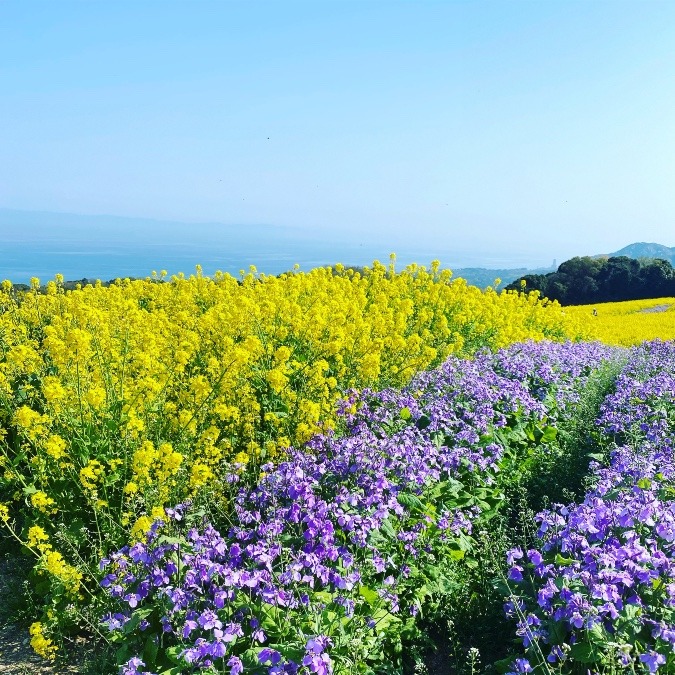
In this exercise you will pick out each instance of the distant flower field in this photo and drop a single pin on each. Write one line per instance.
(630, 322)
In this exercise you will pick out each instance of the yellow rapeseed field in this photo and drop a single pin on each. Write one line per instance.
(116, 402)
(630, 322)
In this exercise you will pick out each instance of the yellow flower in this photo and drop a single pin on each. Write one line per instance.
(41, 644)
(43, 503)
(277, 379)
(95, 397)
(52, 389)
(54, 564)
(4, 513)
(282, 354)
(78, 341)
(37, 536)
(91, 473)
(131, 488)
(200, 474)
(141, 527)
(31, 423)
(115, 463)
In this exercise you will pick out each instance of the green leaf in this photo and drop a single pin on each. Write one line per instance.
(124, 653)
(139, 614)
(597, 635)
(465, 543)
(173, 653)
(631, 612)
(504, 665)
(369, 595)
(405, 414)
(549, 435)
(150, 652)
(166, 539)
(583, 653)
(411, 501)
(384, 620)
(423, 422)
(323, 596)
(388, 529)
(529, 432)
(557, 632)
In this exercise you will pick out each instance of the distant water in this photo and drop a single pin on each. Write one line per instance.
(34, 244)
(19, 262)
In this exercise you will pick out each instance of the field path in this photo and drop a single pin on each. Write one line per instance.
(16, 655)
(656, 308)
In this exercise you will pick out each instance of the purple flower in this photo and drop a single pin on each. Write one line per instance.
(236, 666)
(520, 666)
(269, 656)
(652, 660)
(513, 554)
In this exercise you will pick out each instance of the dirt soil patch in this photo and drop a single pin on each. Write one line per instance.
(16, 655)
(656, 308)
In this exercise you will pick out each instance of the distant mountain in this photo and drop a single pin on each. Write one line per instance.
(644, 250)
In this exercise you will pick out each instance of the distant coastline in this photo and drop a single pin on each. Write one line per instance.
(42, 244)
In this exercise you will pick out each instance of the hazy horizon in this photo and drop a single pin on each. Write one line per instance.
(469, 132)
(102, 246)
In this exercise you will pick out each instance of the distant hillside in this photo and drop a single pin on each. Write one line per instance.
(585, 280)
(482, 277)
(645, 250)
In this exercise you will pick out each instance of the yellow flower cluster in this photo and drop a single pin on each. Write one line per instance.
(41, 644)
(52, 562)
(43, 502)
(120, 401)
(630, 322)
(37, 538)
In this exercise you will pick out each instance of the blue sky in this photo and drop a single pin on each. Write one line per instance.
(544, 128)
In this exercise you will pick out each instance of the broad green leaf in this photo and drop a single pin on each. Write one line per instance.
(369, 595)
(549, 435)
(583, 653)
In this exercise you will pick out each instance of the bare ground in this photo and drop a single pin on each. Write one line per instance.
(16, 655)
(656, 308)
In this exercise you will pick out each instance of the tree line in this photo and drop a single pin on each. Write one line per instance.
(585, 280)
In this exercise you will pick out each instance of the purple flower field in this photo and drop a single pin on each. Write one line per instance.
(599, 589)
(329, 561)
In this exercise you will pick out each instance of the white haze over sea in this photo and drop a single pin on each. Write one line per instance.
(34, 244)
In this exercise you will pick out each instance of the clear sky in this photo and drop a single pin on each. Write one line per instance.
(546, 128)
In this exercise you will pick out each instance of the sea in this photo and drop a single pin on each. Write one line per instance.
(37, 244)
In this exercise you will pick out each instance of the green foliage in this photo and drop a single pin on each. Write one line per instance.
(585, 280)
(542, 463)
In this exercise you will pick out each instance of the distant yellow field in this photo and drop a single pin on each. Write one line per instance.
(630, 322)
